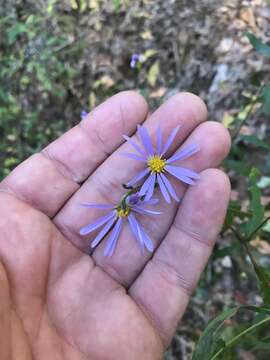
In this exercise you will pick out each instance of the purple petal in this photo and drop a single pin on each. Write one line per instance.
(145, 211)
(133, 225)
(136, 147)
(150, 202)
(140, 234)
(133, 199)
(182, 174)
(133, 64)
(170, 140)
(111, 243)
(134, 157)
(146, 185)
(185, 153)
(98, 206)
(102, 233)
(163, 189)
(102, 220)
(183, 171)
(135, 57)
(145, 238)
(138, 177)
(159, 140)
(169, 188)
(151, 187)
(84, 114)
(145, 138)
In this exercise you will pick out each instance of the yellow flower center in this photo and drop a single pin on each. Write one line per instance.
(156, 164)
(123, 213)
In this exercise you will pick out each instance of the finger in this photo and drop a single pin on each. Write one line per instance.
(128, 261)
(104, 186)
(164, 287)
(5, 315)
(46, 180)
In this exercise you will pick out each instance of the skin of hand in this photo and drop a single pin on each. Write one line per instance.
(56, 301)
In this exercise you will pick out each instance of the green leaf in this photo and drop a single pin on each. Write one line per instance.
(153, 74)
(257, 309)
(258, 45)
(266, 100)
(14, 31)
(256, 206)
(31, 19)
(264, 278)
(254, 140)
(257, 77)
(253, 176)
(235, 208)
(240, 167)
(149, 53)
(117, 5)
(209, 343)
(264, 344)
(235, 212)
(226, 251)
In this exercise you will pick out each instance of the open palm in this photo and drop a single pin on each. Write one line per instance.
(56, 301)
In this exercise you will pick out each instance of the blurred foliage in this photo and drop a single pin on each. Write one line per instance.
(216, 343)
(38, 56)
(246, 219)
(44, 85)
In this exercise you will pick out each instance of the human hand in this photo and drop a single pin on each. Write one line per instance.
(56, 302)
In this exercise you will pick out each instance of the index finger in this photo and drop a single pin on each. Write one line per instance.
(47, 180)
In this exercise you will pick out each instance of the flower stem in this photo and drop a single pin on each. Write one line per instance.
(131, 191)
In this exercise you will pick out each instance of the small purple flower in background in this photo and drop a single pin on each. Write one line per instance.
(135, 58)
(156, 165)
(114, 219)
(83, 114)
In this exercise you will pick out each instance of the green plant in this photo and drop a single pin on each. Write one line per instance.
(37, 72)
(243, 223)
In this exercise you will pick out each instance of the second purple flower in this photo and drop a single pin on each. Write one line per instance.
(114, 219)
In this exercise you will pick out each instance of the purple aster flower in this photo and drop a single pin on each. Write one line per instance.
(157, 166)
(114, 220)
(83, 114)
(135, 58)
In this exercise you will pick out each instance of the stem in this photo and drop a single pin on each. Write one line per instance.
(237, 337)
(245, 245)
(258, 228)
(257, 268)
(122, 202)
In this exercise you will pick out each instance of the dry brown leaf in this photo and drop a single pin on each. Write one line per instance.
(261, 245)
(245, 130)
(158, 93)
(246, 14)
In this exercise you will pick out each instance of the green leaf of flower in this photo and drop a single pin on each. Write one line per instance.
(258, 45)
